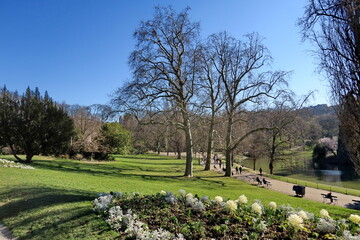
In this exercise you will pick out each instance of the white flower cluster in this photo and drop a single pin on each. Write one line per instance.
(129, 223)
(12, 164)
(231, 206)
(170, 198)
(348, 236)
(324, 213)
(272, 205)
(296, 221)
(135, 228)
(194, 203)
(102, 203)
(242, 199)
(355, 218)
(326, 225)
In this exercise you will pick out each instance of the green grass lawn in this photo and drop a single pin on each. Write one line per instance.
(54, 200)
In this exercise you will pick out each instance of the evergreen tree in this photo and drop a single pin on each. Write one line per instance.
(33, 124)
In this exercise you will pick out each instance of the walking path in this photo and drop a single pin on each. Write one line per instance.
(5, 234)
(313, 194)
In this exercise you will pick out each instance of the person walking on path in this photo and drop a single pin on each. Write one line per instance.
(240, 169)
(260, 170)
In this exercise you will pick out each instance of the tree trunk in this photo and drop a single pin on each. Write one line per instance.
(228, 149)
(189, 147)
(158, 147)
(178, 150)
(14, 153)
(272, 154)
(210, 145)
(29, 157)
(271, 166)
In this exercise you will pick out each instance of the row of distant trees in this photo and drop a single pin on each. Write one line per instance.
(33, 124)
(289, 129)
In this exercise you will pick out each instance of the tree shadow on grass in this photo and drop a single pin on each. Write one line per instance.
(97, 169)
(21, 199)
(50, 213)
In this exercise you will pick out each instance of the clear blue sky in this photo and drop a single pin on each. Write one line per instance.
(78, 50)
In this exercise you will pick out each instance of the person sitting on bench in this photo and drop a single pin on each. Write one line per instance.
(266, 182)
(258, 180)
(330, 196)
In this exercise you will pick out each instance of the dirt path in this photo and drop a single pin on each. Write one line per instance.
(313, 194)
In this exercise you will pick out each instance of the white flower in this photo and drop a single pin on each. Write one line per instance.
(295, 221)
(272, 205)
(102, 203)
(326, 225)
(189, 195)
(11, 164)
(256, 207)
(182, 192)
(231, 206)
(243, 199)
(162, 192)
(303, 215)
(190, 201)
(198, 206)
(324, 213)
(219, 199)
(355, 218)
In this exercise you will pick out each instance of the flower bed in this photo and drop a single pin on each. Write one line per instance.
(11, 164)
(184, 216)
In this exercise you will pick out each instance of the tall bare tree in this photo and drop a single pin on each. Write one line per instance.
(240, 65)
(211, 93)
(334, 27)
(281, 119)
(164, 63)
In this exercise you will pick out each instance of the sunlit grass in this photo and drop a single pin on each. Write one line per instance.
(54, 200)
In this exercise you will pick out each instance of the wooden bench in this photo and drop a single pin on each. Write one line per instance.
(327, 198)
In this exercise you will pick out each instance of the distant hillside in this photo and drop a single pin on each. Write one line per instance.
(322, 120)
(319, 109)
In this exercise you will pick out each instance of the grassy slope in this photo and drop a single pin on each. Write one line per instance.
(54, 200)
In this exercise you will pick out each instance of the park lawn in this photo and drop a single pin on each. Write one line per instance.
(54, 200)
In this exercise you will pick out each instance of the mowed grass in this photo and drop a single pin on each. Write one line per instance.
(54, 200)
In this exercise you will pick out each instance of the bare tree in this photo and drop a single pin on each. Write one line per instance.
(87, 126)
(211, 93)
(239, 65)
(334, 26)
(281, 119)
(164, 64)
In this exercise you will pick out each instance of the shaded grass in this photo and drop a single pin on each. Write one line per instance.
(54, 200)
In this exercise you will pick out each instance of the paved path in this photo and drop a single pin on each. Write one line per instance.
(313, 194)
(5, 234)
